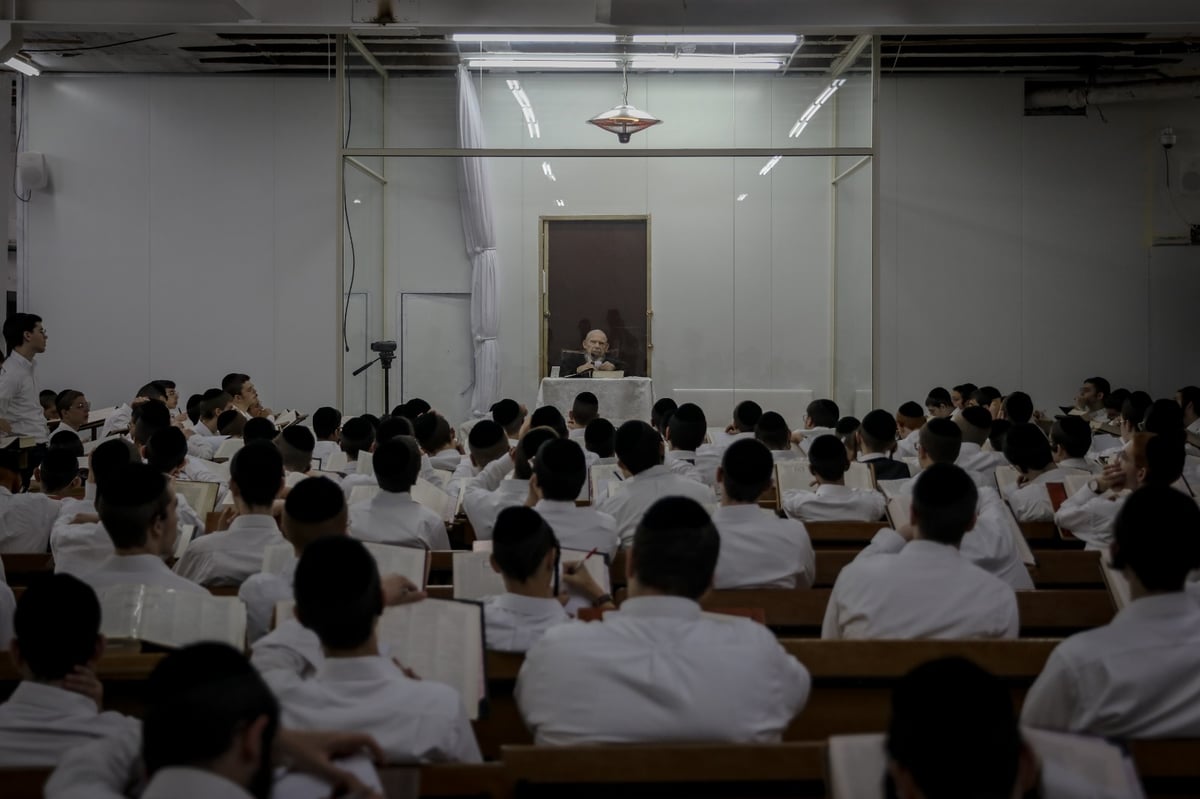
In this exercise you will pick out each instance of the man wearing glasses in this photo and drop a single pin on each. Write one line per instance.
(73, 410)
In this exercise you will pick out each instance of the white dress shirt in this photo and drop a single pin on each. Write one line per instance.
(26, 521)
(835, 503)
(63, 427)
(396, 518)
(324, 450)
(488, 493)
(760, 550)
(447, 460)
(352, 481)
(412, 720)
(8, 606)
(685, 464)
(921, 589)
(640, 491)
(19, 402)
(1089, 516)
(1080, 465)
(182, 782)
(229, 557)
(119, 419)
(579, 528)
(1194, 427)
(657, 670)
(709, 456)
(40, 722)
(811, 434)
(907, 448)
(290, 647)
(1031, 502)
(1135, 677)
(260, 593)
(513, 623)
(78, 548)
(138, 570)
(980, 465)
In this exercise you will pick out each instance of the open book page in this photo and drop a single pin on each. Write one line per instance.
(186, 533)
(278, 558)
(366, 464)
(793, 475)
(286, 418)
(859, 476)
(229, 447)
(857, 766)
(172, 618)
(600, 475)
(1074, 482)
(596, 566)
(1118, 586)
(481, 546)
(893, 488)
(1006, 479)
(434, 498)
(408, 562)
(100, 415)
(201, 496)
(474, 577)
(17, 442)
(899, 510)
(440, 640)
(362, 493)
(1080, 765)
(298, 785)
(336, 462)
(458, 502)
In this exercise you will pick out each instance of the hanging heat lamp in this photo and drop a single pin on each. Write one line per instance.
(624, 120)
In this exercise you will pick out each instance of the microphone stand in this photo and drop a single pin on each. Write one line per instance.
(385, 359)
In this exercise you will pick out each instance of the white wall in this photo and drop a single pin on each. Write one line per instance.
(1014, 249)
(188, 231)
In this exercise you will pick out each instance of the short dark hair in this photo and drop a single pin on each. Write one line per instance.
(600, 437)
(944, 501)
(296, 444)
(153, 390)
(167, 449)
(975, 422)
(357, 436)
(415, 407)
(48, 399)
(314, 500)
(1165, 458)
(999, 433)
(773, 431)
(675, 547)
(193, 407)
(686, 427)
(66, 440)
(1073, 434)
(1163, 416)
(663, 407)
(148, 418)
(1116, 400)
(56, 624)
(397, 464)
(965, 390)
(1100, 384)
(1026, 448)
(827, 457)
(910, 410)
(1018, 407)
(107, 461)
(65, 399)
(507, 414)
(549, 416)
(338, 591)
(257, 468)
(823, 412)
(1157, 536)
(746, 415)
(941, 439)
(938, 397)
(1190, 395)
(585, 408)
(954, 730)
(1133, 409)
(638, 446)
(198, 699)
(231, 423)
(432, 431)
(527, 450)
(134, 499)
(561, 469)
(16, 326)
(59, 468)
(233, 383)
(878, 430)
(392, 426)
(487, 440)
(520, 540)
(985, 395)
(326, 421)
(747, 467)
(260, 428)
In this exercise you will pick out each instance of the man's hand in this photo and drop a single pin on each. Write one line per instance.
(577, 577)
(314, 752)
(83, 681)
(608, 366)
(399, 590)
(85, 518)
(585, 368)
(259, 410)
(1113, 478)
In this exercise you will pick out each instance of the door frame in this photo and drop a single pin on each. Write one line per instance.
(401, 296)
(544, 281)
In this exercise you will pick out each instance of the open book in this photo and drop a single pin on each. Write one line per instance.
(899, 510)
(599, 477)
(474, 577)
(366, 463)
(408, 562)
(99, 416)
(335, 462)
(229, 447)
(1006, 479)
(434, 498)
(201, 496)
(187, 532)
(596, 565)
(17, 442)
(171, 618)
(288, 418)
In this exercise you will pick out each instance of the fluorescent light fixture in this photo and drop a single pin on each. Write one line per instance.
(742, 197)
(714, 38)
(23, 65)
(767, 167)
(713, 62)
(535, 130)
(548, 172)
(812, 110)
(544, 38)
(560, 203)
(531, 123)
(529, 62)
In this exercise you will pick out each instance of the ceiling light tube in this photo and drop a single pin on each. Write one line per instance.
(775, 159)
(540, 63)
(705, 62)
(714, 38)
(23, 65)
(545, 38)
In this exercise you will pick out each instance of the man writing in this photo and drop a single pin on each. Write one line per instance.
(594, 357)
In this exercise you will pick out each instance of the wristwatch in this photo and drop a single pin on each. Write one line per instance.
(602, 600)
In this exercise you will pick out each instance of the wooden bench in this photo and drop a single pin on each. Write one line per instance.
(827, 534)
(1168, 767)
(22, 567)
(1056, 568)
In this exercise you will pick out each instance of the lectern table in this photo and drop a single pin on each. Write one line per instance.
(621, 399)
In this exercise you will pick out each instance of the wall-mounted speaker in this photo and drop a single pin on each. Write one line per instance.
(31, 171)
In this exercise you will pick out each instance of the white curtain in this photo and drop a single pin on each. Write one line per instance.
(475, 202)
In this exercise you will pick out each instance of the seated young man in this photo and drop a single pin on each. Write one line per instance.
(167, 452)
(73, 410)
(909, 420)
(1070, 441)
(231, 423)
(600, 439)
(876, 438)
(758, 549)
(847, 433)
(486, 442)
(392, 516)
(78, 540)
(773, 431)
(525, 553)
(1188, 398)
(1089, 402)
(438, 441)
(327, 427)
(820, 419)
(49, 407)
(26, 519)
(976, 423)
(138, 510)
(59, 474)
(340, 597)
(640, 455)
(296, 444)
(206, 432)
(510, 415)
(358, 436)
(832, 501)
(687, 455)
(1135, 677)
(886, 591)
(712, 680)
(987, 397)
(122, 418)
(559, 475)
(1027, 449)
(229, 557)
(938, 403)
(585, 408)
(1017, 408)
(245, 396)
(488, 493)
(662, 409)
(57, 704)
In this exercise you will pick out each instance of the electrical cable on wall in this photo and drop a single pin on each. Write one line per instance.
(17, 150)
(346, 214)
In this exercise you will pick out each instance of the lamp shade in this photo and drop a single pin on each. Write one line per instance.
(624, 120)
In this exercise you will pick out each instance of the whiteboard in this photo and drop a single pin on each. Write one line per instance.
(436, 351)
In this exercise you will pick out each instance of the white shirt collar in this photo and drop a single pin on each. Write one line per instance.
(969, 447)
(254, 521)
(528, 605)
(658, 470)
(358, 669)
(828, 490)
(1157, 606)
(194, 783)
(746, 512)
(52, 698)
(134, 564)
(555, 505)
(675, 607)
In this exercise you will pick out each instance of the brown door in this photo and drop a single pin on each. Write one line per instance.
(597, 275)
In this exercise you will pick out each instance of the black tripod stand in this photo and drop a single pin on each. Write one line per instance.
(387, 354)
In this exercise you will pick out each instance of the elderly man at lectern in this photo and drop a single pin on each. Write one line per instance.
(594, 357)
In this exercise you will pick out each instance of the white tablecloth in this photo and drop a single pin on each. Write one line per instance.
(621, 399)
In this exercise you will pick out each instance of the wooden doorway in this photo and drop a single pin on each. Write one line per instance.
(595, 273)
